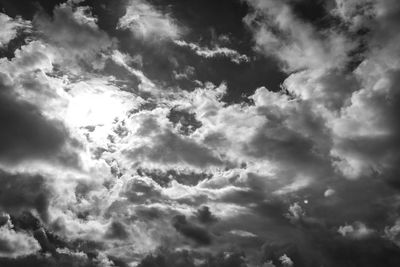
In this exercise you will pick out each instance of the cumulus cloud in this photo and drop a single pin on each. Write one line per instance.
(148, 23)
(357, 230)
(365, 112)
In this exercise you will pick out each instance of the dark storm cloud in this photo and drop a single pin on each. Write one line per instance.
(26, 133)
(322, 247)
(117, 230)
(27, 9)
(205, 216)
(24, 192)
(62, 260)
(191, 231)
(166, 258)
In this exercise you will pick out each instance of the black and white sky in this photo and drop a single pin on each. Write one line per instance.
(208, 133)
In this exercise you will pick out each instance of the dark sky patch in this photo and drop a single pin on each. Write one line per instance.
(28, 8)
(314, 11)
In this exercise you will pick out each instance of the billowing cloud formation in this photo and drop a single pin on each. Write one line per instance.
(146, 22)
(104, 165)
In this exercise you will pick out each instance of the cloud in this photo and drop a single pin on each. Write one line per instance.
(215, 52)
(177, 150)
(71, 20)
(357, 230)
(16, 244)
(286, 261)
(142, 190)
(279, 32)
(117, 230)
(27, 134)
(295, 212)
(11, 27)
(148, 23)
(159, 166)
(324, 83)
(183, 258)
(393, 232)
(185, 121)
(24, 191)
(191, 231)
(204, 215)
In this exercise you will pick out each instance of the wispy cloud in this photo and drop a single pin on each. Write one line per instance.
(205, 52)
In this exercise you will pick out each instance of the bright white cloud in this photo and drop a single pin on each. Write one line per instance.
(146, 22)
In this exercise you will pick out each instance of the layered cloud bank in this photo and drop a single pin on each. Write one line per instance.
(104, 163)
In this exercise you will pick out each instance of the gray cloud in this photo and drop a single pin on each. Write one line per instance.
(16, 244)
(191, 231)
(27, 133)
(169, 148)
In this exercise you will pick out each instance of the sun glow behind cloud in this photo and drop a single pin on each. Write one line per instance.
(94, 103)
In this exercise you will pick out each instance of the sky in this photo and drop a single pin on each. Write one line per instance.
(207, 133)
